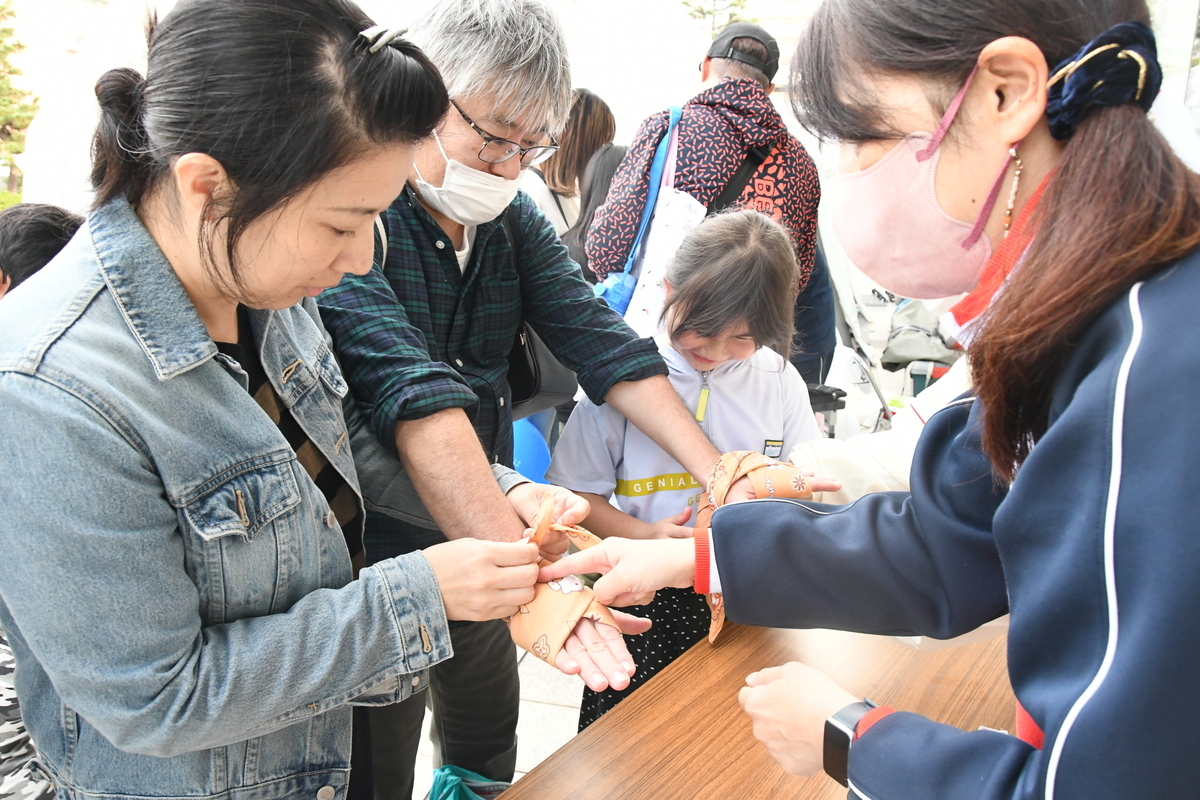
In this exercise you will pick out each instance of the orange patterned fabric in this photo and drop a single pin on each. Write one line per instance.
(542, 626)
(770, 478)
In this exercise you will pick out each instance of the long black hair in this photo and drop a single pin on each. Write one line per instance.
(280, 92)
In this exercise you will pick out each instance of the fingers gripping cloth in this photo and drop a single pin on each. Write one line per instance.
(542, 626)
(770, 478)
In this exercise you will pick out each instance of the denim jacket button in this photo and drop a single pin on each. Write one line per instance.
(326, 793)
(330, 519)
(416, 682)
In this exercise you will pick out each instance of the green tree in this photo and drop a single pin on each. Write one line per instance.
(17, 107)
(719, 13)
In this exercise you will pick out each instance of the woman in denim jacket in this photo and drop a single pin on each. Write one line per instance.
(176, 582)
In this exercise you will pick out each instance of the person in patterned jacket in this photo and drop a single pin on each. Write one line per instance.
(732, 114)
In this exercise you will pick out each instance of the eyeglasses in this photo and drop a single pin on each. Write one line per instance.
(496, 150)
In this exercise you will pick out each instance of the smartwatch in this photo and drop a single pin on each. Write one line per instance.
(839, 735)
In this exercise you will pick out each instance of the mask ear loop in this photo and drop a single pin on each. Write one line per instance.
(940, 133)
(438, 141)
(947, 119)
(986, 212)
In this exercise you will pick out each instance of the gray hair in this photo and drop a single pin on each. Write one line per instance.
(729, 68)
(511, 51)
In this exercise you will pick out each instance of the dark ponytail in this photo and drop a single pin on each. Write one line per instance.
(1120, 206)
(121, 161)
(1105, 223)
(280, 92)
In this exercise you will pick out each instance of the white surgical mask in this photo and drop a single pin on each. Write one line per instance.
(467, 196)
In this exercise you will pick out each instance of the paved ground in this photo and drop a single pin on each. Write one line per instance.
(549, 717)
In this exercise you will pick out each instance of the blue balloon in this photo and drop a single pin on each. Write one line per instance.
(531, 456)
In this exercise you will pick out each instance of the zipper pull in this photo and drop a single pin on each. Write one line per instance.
(702, 404)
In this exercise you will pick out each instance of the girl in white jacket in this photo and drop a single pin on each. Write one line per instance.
(730, 294)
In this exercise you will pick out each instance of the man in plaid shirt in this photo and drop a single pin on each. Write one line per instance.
(424, 339)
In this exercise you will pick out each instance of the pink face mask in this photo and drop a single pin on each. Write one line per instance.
(890, 222)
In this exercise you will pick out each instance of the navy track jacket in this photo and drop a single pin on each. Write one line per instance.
(1094, 550)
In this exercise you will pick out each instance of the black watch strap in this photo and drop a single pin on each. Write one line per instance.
(839, 734)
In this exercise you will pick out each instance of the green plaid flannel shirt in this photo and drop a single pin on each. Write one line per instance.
(416, 336)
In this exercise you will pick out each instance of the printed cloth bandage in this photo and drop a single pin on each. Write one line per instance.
(542, 626)
(770, 478)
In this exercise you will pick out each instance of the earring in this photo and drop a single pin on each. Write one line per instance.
(1012, 195)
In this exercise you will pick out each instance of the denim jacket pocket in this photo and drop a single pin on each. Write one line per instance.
(242, 534)
(244, 503)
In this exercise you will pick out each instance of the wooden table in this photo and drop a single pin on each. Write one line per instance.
(683, 735)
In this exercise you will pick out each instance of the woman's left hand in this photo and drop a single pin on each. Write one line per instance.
(597, 652)
(788, 706)
(569, 509)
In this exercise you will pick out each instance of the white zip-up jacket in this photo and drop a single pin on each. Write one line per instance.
(760, 404)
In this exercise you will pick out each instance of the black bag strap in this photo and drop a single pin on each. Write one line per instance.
(733, 190)
(515, 241)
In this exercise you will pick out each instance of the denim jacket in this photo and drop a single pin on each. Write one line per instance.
(176, 590)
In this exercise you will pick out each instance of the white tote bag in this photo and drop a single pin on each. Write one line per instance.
(675, 214)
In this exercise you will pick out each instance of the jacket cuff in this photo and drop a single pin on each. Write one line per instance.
(870, 718)
(703, 555)
(508, 478)
(419, 612)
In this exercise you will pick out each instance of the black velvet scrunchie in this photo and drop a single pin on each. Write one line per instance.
(1119, 66)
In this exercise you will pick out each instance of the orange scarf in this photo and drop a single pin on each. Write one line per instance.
(995, 273)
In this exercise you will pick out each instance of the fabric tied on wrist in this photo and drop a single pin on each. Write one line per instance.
(542, 626)
(770, 478)
(1117, 67)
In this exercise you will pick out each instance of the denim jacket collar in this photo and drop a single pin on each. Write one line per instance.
(152, 300)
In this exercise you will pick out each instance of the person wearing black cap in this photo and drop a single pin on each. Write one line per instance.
(733, 148)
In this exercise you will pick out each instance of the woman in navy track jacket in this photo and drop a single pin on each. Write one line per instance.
(1063, 491)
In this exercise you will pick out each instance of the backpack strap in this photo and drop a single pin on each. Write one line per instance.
(656, 170)
(737, 182)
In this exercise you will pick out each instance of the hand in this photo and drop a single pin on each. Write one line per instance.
(788, 707)
(740, 491)
(597, 652)
(743, 490)
(821, 484)
(633, 570)
(671, 527)
(482, 580)
(569, 509)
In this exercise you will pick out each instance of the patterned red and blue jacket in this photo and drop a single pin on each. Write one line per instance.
(718, 128)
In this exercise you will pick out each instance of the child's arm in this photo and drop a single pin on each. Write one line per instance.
(606, 520)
